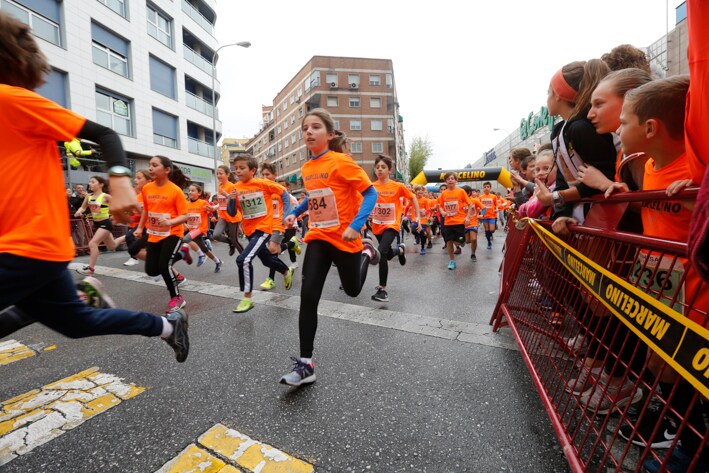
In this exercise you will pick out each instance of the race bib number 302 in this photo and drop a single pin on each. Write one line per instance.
(384, 214)
(322, 207)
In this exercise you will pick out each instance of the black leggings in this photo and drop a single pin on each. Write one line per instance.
(319, 256)
(136, 244)
(385, 240)
(159, 258)
(423, 235)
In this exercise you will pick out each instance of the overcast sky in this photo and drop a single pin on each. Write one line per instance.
(459, 71)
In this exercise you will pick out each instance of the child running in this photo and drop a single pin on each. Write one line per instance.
(489, 201)
(226, 222)
(386, 220)
(471, 228)
(136, 247)
(97, 202)
(253, 196)
(164, 213)
(453, 203)
(334, 183)
(198, 211)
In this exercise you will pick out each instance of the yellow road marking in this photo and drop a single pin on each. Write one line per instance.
(222, 450)
(12, 351)
(38, 416)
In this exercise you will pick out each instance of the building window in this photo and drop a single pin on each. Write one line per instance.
(312, 81)
(285, 123)
(301, 156)
(355, 125)
(375, 102)
(300, 112)
(390, 81)
(286, 143)
(354, 102)
(280, 147)
(337, 124)
(292, 119)
(353, 80)
(331, 79)
(115, 112)
(377, 147)
(299, 92)
(278, 129)
(356, 147)
(109, 50)
(162, 78)
(159, 26)
(118, 6)
(55, 88)
(375, 79)
(164, 129)
(376, 125)
(332, 101)
(292, 138)
(390, 125)
(44, 20)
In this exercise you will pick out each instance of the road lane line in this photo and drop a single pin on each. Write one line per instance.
(38, 416)
(12, 351)
(465, 332)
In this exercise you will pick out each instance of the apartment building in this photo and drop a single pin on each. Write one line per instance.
(360, 93)
(142, 68)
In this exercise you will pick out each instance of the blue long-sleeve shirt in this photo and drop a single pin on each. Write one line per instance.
(370, 195)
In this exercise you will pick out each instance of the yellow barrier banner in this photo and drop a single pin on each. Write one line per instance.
(681, 342)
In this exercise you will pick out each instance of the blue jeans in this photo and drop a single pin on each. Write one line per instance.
(45, 290)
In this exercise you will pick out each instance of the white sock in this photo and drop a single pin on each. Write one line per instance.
(307, 360)
(200, 252)
(167, 328)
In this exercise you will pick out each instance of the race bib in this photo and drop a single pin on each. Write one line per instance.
(276, 208)
(450, 207)
(95, 208)
(322, 207)
(253, 205)
(384, 214)
(154, 228)
(660, 274)
(222, 201)
(194, 221)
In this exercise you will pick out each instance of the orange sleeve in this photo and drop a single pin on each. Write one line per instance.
(697, 108)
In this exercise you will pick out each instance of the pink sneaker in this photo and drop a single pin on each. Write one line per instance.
(176, 303)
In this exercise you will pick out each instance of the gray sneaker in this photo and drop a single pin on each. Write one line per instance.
(370, 248)
(179, 340)
(402, 254)
(303, 373)
(381, 296)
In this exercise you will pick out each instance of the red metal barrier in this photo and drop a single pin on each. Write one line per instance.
(82, 232)
(609, 395)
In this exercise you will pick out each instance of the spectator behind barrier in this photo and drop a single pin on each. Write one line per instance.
(545, 171)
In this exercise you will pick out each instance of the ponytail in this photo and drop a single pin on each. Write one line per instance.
(176, 175)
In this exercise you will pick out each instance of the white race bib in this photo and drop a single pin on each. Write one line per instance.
(322, 207)
(154, 228)
(253, 205)
(384, 214)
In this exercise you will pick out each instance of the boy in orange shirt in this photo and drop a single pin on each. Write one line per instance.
(652, 121)
(489, 201)
(252, 195)
(456, 210)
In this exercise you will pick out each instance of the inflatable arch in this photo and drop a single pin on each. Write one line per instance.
(500, 175)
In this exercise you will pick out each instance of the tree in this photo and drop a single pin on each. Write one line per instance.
(419, 152)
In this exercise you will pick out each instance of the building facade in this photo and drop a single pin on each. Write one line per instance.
(667, 56)
(233, 147)
(142, 68)
(360, 94)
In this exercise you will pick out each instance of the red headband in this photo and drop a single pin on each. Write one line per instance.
(562, 88)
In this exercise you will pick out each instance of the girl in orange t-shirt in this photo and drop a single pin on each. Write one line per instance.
(198, 212)
(334, 183)
(97, 201)
(164, 213)
(226, 222)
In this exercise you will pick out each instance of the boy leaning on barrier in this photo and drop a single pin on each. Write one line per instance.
(652, 121)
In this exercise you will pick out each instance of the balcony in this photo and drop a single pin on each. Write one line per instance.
(201, 148)
(199, 104)
(200, 19)
(197, 59)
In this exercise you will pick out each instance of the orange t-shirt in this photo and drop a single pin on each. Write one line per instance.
(254, 200)
(489, 201)
(166, 201)
(669, 219)
(425, 209)
(197, 216)
(334, 183)
(475, 202)
(135, 218)
(30, 127)
(453, 204)
(388, 210)
(223, 200)
(697, 112)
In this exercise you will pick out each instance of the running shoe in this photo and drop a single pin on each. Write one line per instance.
(208, 244)
(86, 271)
(457, 250)
(642, 431)
(180, 279)
(381, 296)
(296, 245)
(371, 250)
(245, 305)
(429, 245)
(303, 373)
(178, 340)
(473, 257)
(186, 254)
(578, 344)
(294, 266)
(402, 254)
(200, 259)
(489, 246)
(451, 265)
(288, 279)
(94, 293)
(614, 396)
(423, 251)
(678, 462)
(232, 249)
(586, 377)
(131, 262)
(218, 266)
(556, 319)
(177, 302)
(268, 284)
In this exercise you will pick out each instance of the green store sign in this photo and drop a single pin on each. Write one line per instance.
(532, 123)
(200, 174)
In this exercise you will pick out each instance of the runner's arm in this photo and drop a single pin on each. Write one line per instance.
(370, 199)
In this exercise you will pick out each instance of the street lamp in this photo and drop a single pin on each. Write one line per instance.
(243, 44)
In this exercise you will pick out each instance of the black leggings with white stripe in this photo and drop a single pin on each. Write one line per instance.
(256, 247)
(160, 256)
